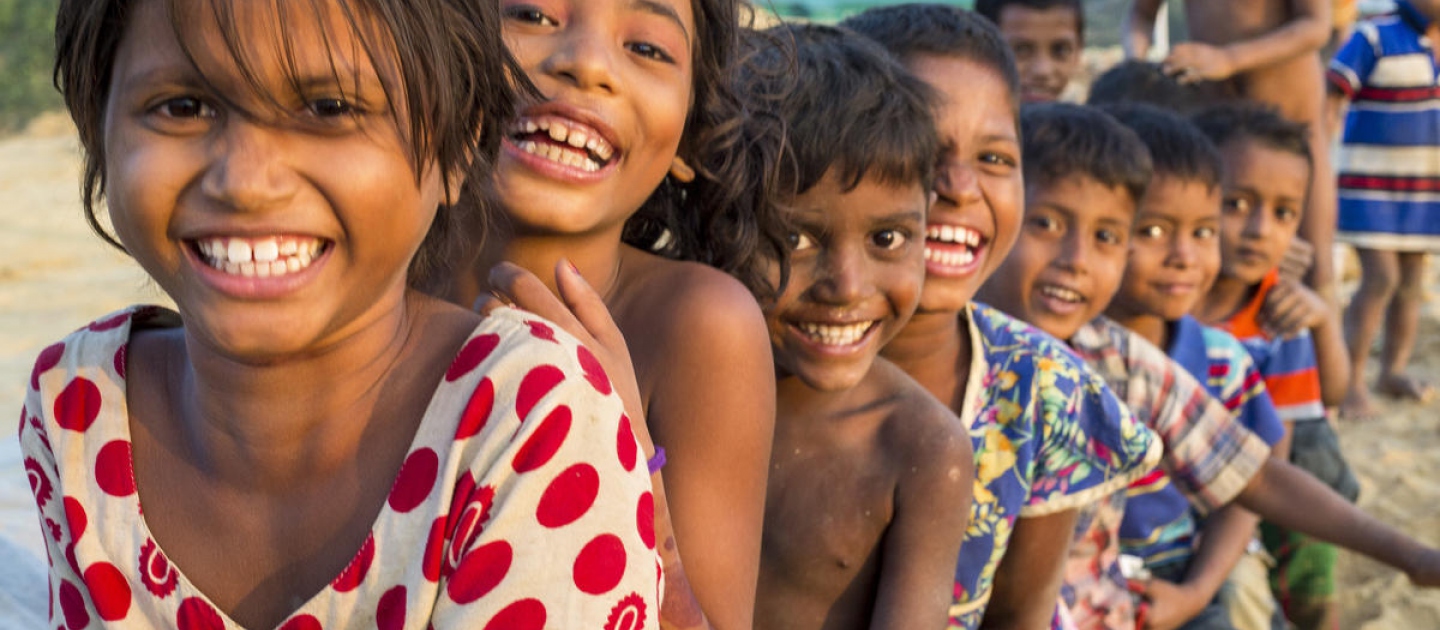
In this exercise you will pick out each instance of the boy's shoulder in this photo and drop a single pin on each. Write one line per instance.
(683, 296)
(914, 418)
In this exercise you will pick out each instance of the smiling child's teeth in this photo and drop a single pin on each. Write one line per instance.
(267, 250)
(558, 133)
(950, 259)
(238, 250)
(577, 139)
(829, 335)
(263, 257)
(1061, 293)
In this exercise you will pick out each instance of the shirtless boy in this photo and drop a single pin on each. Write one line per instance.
(871, 477)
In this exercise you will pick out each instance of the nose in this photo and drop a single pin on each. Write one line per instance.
(1183, 252)
(247, 168)
(843, 277)
(581, 58)
(1258, 223)
(1075, 253)
(956, 183)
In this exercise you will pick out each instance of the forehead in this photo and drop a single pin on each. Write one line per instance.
(1261, 166)
(1179, 199)
(970, 96)
(1083, 199)
(1052, 22)
(871, 199)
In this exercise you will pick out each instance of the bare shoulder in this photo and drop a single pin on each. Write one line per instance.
(919, 427)
(686, 304)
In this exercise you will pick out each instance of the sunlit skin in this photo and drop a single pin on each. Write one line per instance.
(193, 152)
(855, 437)
(622, 75)
(1047, 45)
(1070, 257)
(1174, 256)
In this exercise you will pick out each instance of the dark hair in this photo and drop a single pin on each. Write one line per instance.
(1135, 81)
(1177, 148)
(456, 79)
(991, 10)
(847, 105)
(1063, 140)
(1253, 121)
(723, 217)
(907, 30)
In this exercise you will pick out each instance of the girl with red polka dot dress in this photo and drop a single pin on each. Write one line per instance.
(309, 442)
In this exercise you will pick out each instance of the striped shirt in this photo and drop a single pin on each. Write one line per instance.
(1389, 162)
(1287, 364)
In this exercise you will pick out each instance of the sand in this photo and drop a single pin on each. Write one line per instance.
(55, 276)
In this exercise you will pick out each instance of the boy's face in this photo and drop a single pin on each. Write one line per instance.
(1047, 48)
(1175, 251)
(1071, 253)
(856, 272)
(1264, 194)
(976, 213)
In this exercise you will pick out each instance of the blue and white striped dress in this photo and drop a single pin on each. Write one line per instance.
(1389, 162)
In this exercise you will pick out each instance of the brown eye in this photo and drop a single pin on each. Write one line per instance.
(888, 239)
(184, 107)
(800, 241)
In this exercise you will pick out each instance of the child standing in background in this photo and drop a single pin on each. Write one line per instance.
(1047, 38)
(1048, 435)
(871, 477)
(1389, 179)
(310, 441)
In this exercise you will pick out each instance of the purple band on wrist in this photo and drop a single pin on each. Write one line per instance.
(658, 461)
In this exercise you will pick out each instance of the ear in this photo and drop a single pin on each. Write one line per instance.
(682, 171)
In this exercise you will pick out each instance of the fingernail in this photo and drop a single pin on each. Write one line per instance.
(573, 269)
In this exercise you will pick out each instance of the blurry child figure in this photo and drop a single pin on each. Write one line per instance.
(1174, 257)
(1389, 179)
(1048, 435)
(629, 165)
(1136, 81)
(1267, 170)
(311, 442)
(1083, 179)
(1084, 174)
(1047, 38)
(871, 477)
(1266, 51)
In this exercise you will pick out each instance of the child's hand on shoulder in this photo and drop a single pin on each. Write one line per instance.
(580, 311)
(1192, 62)
(1291, 307)
(1170, 604)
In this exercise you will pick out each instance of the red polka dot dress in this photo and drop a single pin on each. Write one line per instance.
(524, 501)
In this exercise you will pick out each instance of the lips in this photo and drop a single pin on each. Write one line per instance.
(1060, 299)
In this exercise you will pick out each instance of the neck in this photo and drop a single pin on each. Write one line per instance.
(271, 425)
(1225, 298)
(597, 256)
(929, 348)
(1152, 327)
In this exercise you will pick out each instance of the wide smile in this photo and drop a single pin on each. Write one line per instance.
(953, 251)
(257, 267)
(833, 338)
(561, 146)
(1060, 299)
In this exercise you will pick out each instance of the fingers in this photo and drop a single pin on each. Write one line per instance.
(588, 307)
(524, 290)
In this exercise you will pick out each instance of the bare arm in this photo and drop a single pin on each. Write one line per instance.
(1291, 307)
(1223, 540)
(1305, 33)
(1293, 499)
(1137, 28)
(714, 412)
(922, 544)
(1027, 582)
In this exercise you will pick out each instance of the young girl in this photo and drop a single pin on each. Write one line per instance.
(1048, 436)
(309, 442)
(627, 159)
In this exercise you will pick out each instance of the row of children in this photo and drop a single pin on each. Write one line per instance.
(294, 176)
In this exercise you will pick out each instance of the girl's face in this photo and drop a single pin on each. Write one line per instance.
(278, 227)
(616, 76)
(976, 214)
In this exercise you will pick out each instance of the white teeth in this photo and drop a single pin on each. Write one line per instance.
(829, 335)
(558, 133)
(1061, 293)
(950, 258)
(559, 155)
(264, 257)
(568, 133)
(577, 139)
(953, 234)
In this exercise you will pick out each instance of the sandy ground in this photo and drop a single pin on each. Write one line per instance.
(55, 275)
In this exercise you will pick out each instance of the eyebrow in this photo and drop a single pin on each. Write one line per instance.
(663, 10)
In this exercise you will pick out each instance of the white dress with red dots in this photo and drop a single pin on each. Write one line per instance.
(524, 501)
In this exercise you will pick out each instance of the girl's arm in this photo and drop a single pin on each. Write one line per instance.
(922, 544)
(1027, 582)
(714, 413)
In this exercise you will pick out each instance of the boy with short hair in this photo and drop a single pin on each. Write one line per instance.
(1266, 176)
(1063, 271)
(1047, 37)
(871, 477)
(1174, 257)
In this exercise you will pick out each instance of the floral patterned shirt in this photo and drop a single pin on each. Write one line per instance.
(1049, 436)
(523, 502)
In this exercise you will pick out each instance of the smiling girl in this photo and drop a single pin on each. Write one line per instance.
(309, 442)
(627, 164)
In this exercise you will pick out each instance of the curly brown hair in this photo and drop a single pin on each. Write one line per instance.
(725, 217)
(457, 81)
